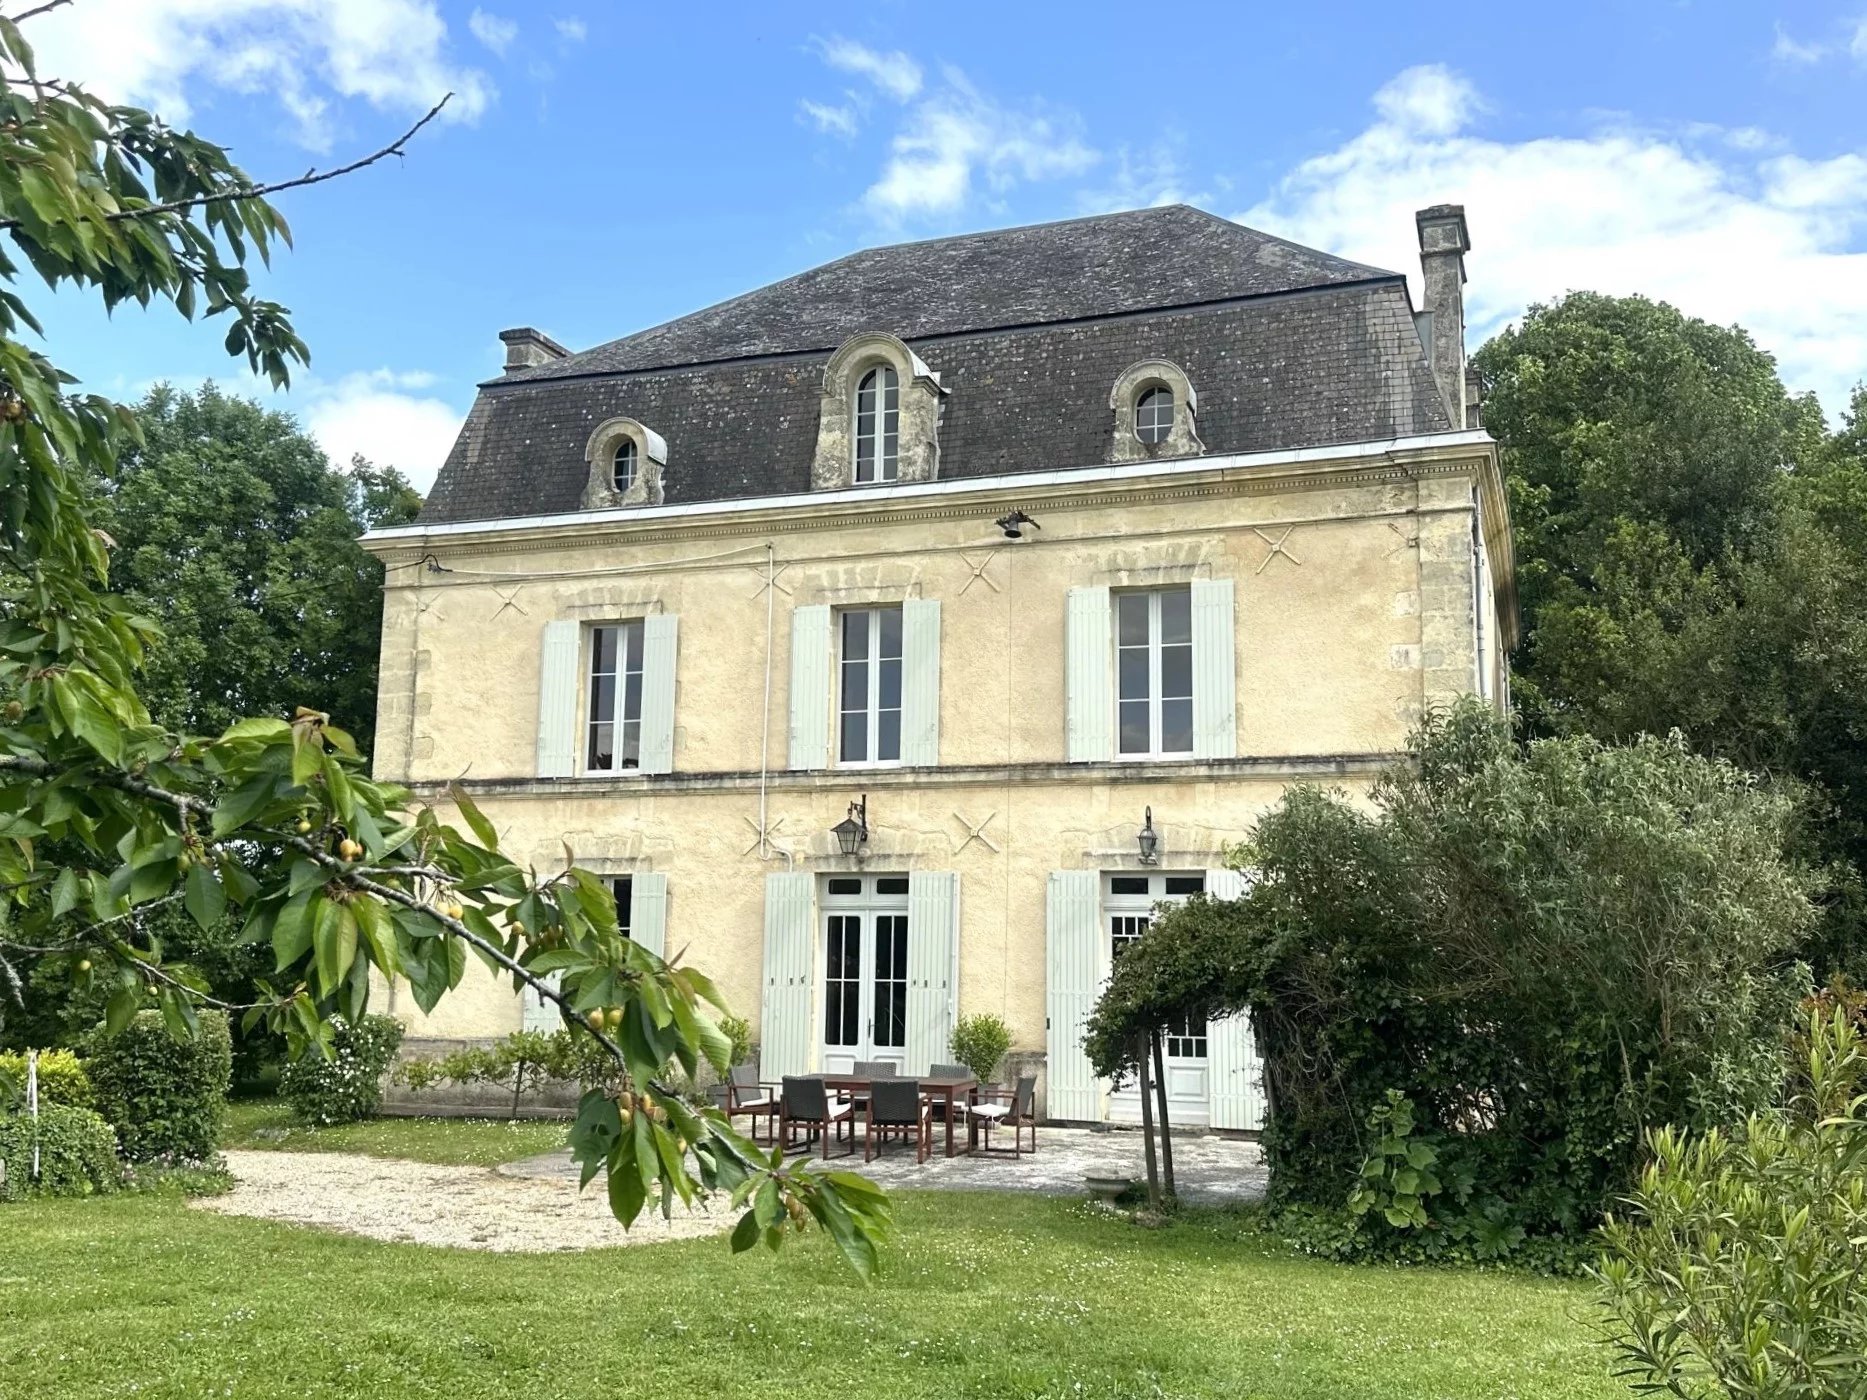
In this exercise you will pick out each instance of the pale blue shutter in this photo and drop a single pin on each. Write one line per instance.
(785, 1019)
(1234, 1075)
(1072, 939)
(1215, 686)
(660, 632)
(933, 952)
(557, 699)
(648, 911)
(920, 681)
(540, 1014)
(1089, 698)
(810, 687)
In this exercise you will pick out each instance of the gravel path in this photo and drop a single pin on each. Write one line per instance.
(416, 1202)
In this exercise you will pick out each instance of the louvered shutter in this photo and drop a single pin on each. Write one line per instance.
(1072, 937)
(660, 631)
(557, 699)
(1215, 685)
(1089, 697)
(1234, 1075)
(540, 1014)
(933, 953)
(810, 687)
(790, 945)
(648, 911)
(920, 681)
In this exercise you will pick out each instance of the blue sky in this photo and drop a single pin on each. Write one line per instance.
(606, 166)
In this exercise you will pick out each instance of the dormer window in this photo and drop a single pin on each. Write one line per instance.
(622, 467)
(1153, 415)
(878, 425)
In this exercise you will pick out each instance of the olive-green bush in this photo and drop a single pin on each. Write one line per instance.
(348, 1086)
(77, 1153)
(62, 1079)
(165, 1097)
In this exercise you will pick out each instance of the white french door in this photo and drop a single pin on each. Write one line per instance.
(1128, 902)
(863, 935)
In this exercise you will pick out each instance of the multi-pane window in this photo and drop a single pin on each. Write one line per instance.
(615, 722)
(1154, 672)
(623, 887)
(878, 424)
(1185, 1035)
(891, 981)
(869, 705)
(622, 466)
(842, 980)
(1153, 415)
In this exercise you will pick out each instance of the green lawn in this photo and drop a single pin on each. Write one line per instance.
(472, 1142)
(984, 1295)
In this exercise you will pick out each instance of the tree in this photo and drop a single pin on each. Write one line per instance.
(1691, 543)
(276, 819)
(235, 534)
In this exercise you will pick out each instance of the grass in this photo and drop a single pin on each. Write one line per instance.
(471, 1142)
(983, 1295)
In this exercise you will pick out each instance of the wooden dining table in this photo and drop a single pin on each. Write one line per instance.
(952, 1090)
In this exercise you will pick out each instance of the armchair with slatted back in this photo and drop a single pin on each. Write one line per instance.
(896, 1106)
(948, 1072)
(806, 1103)
(869, 1069)
(746, 1095)
(1015, 1110)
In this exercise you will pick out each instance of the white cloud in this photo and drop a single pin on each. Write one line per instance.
(894, 73)
(393, 54)
(572, 30)
(382, 415)
(838, 120)
(1722, 232)
(492, 30)
(1789, 50)
(1850, 38)
(1144, 179)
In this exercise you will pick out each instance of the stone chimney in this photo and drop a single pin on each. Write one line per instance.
(1444, 243)
(526, 347)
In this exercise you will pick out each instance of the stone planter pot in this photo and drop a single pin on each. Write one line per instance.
(1106, 1188)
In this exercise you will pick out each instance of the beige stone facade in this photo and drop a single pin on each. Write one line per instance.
(1367, 582)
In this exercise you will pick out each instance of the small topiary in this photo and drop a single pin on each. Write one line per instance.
(347, 1086)
(166, 1097)
(77, 1154)
(62, 1079)
(980, 1042)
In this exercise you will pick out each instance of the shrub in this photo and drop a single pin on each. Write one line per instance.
(62, 1079)
(1736, 1271)
(165, 1097)
(738, 1032)
(347, 1086)
(77, 1153)
(979, 1042)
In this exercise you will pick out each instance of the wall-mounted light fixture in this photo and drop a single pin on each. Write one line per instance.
(1149, 839)
(853, 830)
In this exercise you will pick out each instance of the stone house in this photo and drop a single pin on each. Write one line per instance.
(1037, 561)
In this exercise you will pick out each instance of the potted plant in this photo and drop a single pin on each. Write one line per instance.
(738, 1032)
(979, 1043)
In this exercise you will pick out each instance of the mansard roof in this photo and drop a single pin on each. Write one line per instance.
(1027, 329)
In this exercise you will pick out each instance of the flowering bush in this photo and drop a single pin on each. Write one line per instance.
(348, 1086)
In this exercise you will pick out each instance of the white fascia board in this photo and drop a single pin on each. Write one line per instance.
(917, 491)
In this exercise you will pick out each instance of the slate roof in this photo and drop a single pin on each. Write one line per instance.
(1028, 330)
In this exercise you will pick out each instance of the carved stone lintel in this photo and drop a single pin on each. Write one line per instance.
(918, 443)
(1181, 441)
(651, 455)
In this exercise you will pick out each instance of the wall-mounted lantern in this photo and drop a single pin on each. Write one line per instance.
(853, 830)
(1149, 839)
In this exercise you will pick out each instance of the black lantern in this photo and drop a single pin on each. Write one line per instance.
(853, 830)
(1149, 839)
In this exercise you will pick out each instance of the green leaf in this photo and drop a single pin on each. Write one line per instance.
(482, 828)
(203, 897)
(65, 892)
(746, 1232)
(333, 942)
(245, 802)
(291, 931)
(121, 1007)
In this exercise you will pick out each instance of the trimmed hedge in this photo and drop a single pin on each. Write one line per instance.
(62, 1079)
(166, 1097)
(348, 1086)
(77, 1154)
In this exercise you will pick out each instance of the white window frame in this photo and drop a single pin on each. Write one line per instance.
(1165, 430)
(620, 719)
(872, 708)
(617, 481)
(1182, 1039)
(883, 464)
(1155, 699)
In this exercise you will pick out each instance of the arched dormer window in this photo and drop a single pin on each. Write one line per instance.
(1155, 409)
(878, 419)
(878, 425)
(626, 458)
(1153, 414)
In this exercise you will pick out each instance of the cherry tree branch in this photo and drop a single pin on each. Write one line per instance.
(38, 10)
